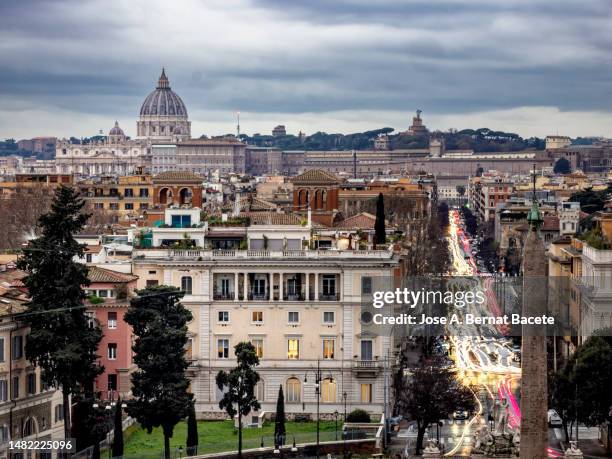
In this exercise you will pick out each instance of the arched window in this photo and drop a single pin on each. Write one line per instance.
(165, 196)
(29, 428)
(328, 390)
(294, 390)
(185, 196)
(186, 284)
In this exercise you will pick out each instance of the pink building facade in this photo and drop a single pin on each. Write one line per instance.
(109, 293)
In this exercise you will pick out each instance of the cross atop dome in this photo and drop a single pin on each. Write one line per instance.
(163, 82)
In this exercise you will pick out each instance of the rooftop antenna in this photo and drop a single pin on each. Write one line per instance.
(238, 125)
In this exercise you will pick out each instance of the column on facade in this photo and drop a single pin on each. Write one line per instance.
(341, 286)
(280, 286)
(307, 295)
(235, 286)
(246, 284)
(316, 286)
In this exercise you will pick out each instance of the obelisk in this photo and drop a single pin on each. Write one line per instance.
(534, 400)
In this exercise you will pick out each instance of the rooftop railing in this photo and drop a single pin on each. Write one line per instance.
(259, 254)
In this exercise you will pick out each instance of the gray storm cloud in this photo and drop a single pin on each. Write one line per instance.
(307, 62)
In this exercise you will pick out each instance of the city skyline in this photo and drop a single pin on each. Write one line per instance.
(73, 70)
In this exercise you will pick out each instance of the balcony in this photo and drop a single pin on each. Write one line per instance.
(366, 368)
(258, 295)
(264, 254)
(294, 296)
(223, 296)
(330, 296)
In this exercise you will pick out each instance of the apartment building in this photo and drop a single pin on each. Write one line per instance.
(28, 409)
(300, 308)
(485, 193)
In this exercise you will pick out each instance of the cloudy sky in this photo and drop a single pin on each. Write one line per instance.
(536, 67)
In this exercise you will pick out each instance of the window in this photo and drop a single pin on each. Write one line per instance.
(328, 390)
(111, 382)
(328, 349)
(91, 319)
(129, 206)
(259, 287)
(15, 387)
(329, 285)
(366, 285)
(225, 287)
(143, 206)
(144, 192)
(88, 257)
(223, 348)
(129, 193)
(29, 427)
(293, 317)
(113, 206)
(258, 345)
(112, 351)
(366, 393)
(59, 412)
(31, 383)
(293, 348)
(366, 349)
(17, 347)
(4, 433)
(186, 284)
(1, 349)
(3, 390)
(257, 317)
(293, 390)
(98, 205)
(329, 317)
(260, 392)
(112, 320)
(223, 316)
(152, 282)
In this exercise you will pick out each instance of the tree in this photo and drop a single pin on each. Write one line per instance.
(379, 225)
(431, 393)
(279, 419)
(461, 190)
(192, 432)
(118, 433)
(238, 386)
(60, 341)
(562, 166)
(159, 386)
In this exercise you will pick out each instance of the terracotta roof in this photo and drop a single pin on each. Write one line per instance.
(107, 276)
(273, 218)
(363, 221)
(316, 176)
(177, 176)
(551, 223)
(256, 204)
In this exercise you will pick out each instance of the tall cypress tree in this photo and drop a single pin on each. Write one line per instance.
(118, 432)
(60, 341)
(160, 384)
(279, 420)
(379, 225)
(192, 432)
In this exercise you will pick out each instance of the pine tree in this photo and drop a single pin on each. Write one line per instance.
(379, 225)
(60, 341)
(239, 386)
(192, 432)
(159, 385)
(118, 433)
(279, 421)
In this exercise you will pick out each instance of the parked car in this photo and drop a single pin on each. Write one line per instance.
(460, 415)
(554, 420)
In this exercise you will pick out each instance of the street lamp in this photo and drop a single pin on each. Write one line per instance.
(318, 379)
(344, 397)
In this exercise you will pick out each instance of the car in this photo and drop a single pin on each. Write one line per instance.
(460, 415)
(554, 420)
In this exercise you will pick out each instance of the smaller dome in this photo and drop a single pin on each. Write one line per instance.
(116, 130)
(178, 130)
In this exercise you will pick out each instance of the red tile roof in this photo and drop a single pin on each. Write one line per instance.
(101, 275)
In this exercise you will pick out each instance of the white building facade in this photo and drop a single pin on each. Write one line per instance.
(299, 308)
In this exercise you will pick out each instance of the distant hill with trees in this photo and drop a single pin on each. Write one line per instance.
(479, 140)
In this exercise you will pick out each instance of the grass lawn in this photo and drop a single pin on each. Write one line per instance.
(217, 436)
